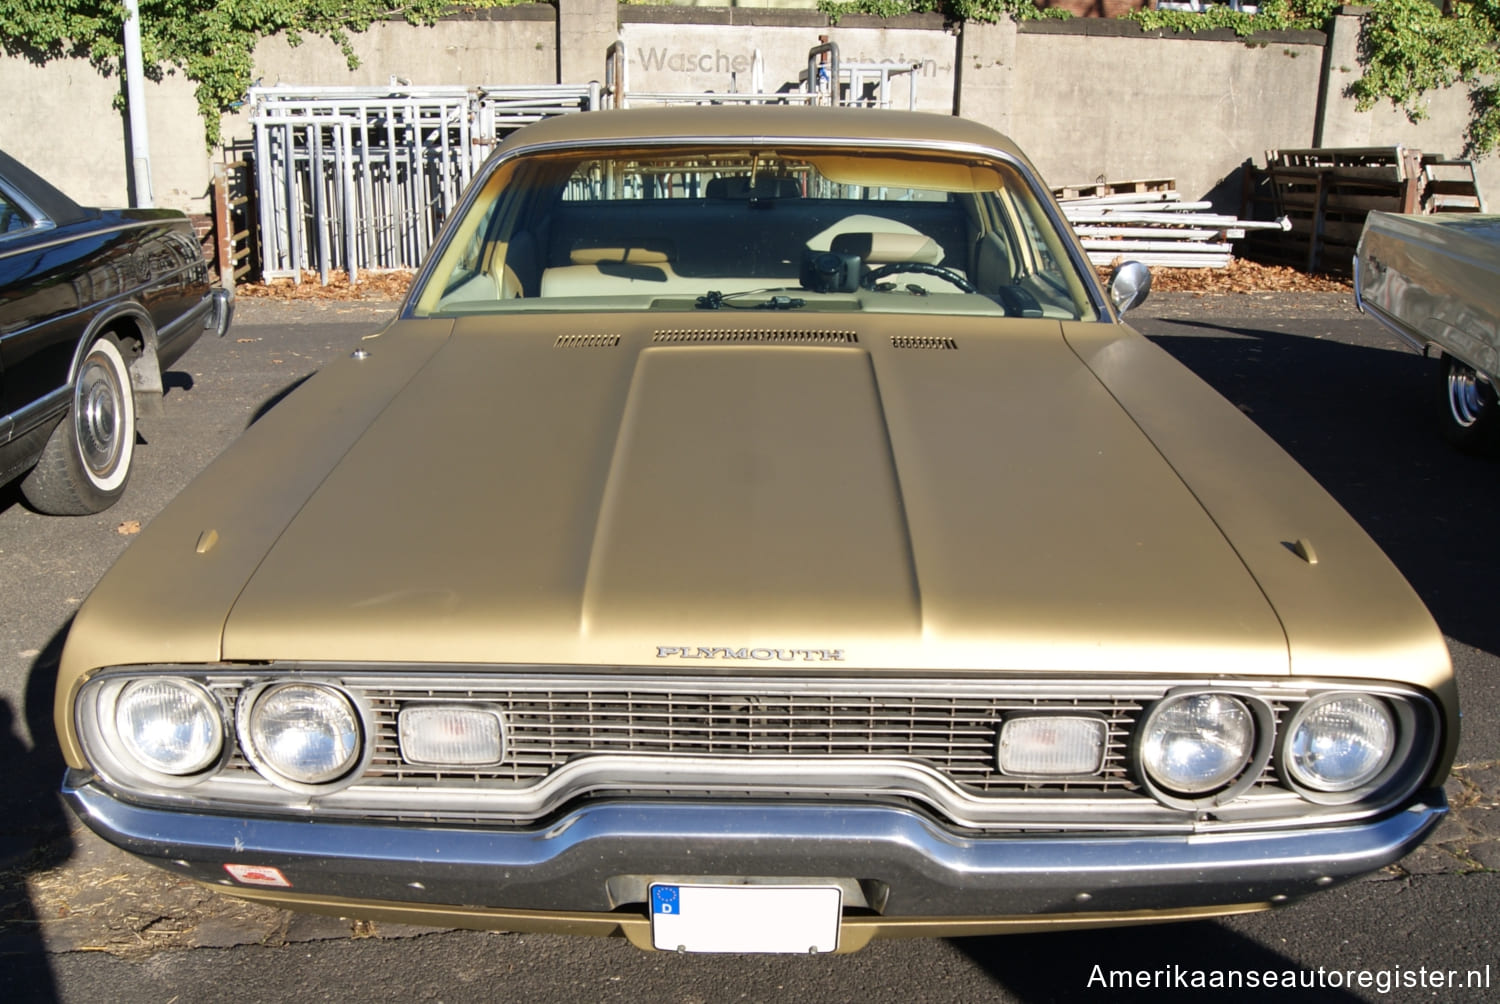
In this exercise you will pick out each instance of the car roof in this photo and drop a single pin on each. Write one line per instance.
(761, 123)
(56, 206)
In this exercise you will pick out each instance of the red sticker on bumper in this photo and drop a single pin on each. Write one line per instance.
(258, 875)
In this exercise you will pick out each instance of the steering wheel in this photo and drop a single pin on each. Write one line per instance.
(941, 271)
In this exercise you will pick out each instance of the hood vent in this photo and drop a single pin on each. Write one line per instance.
(587, 341)
(922, 342)
(753, 336)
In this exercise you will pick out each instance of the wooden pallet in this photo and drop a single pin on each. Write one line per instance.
(1102, 188)
(1326, 193)
(1155, 227)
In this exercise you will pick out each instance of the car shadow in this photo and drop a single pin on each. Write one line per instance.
(1365, 421)
(1136, 964)
(176, 380)
(34, 830)
(10, 495)
(277, 398)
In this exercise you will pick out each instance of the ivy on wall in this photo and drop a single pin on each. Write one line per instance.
(1407, 47)
(211, 41)
(959, 10)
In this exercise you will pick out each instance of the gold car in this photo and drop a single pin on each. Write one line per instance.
(758, 532)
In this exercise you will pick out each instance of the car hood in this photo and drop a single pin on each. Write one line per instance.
(797, 494)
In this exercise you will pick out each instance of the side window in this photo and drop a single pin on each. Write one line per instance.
(11, 217)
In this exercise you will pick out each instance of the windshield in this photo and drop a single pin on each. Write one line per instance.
(755, 229)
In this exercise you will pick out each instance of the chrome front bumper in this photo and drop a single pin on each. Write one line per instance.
(593, 858)
(223, 312)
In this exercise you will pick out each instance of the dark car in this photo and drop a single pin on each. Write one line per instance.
(94, 305)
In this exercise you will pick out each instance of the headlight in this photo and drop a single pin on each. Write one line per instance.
(302, 732)
(169, 725)
(1197, 743)
(1338, 742)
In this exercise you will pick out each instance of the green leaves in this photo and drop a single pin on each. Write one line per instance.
(958, 10)
(1406, 49)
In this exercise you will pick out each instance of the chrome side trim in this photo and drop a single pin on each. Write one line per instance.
(569, 863)
(42, 410)
(1382, 318)
(39, 220)
(71, 237)
(1395, 327)
(196, 313)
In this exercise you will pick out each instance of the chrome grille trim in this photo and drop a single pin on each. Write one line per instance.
(920, 742)
(956, 735)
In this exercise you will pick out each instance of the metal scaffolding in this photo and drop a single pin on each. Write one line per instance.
(826, 81)
(357, 178)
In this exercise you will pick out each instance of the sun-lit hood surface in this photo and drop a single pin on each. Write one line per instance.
(902, 507)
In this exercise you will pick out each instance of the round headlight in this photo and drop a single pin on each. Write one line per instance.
(169, 725)
(305, 733)
(1198, 743)
(1337, 742)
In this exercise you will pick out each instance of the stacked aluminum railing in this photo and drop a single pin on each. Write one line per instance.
(359, 178)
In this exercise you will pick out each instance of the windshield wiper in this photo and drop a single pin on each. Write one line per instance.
(713, 300)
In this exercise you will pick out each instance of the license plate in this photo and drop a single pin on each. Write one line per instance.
(745, 918)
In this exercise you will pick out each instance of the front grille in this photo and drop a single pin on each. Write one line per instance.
(925, 742)
(955, 735)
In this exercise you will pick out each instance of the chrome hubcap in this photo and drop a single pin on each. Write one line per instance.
(1465, 399)
(96, 409)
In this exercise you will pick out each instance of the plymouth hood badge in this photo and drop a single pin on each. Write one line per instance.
(750, 654)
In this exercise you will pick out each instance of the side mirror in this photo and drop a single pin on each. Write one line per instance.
(1129, 285)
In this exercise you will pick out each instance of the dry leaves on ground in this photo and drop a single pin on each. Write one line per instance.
(1240, 277)
(369, 286)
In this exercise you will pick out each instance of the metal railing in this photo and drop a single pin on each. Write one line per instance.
(354, 178)
(360, 178)
(826, 81)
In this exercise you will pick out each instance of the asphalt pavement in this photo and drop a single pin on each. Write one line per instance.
(80, 921)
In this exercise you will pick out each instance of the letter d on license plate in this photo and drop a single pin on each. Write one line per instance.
(745, 918)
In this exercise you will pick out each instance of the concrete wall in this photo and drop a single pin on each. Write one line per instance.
(1088, 99)
(59, 120)
(521, 48)
(703, 49)
(1340, 124)
(1102, 100)
(510, 46)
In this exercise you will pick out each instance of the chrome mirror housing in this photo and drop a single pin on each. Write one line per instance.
(1129, 284)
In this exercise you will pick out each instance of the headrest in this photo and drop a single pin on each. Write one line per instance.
(633, 255)
(889, 248)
